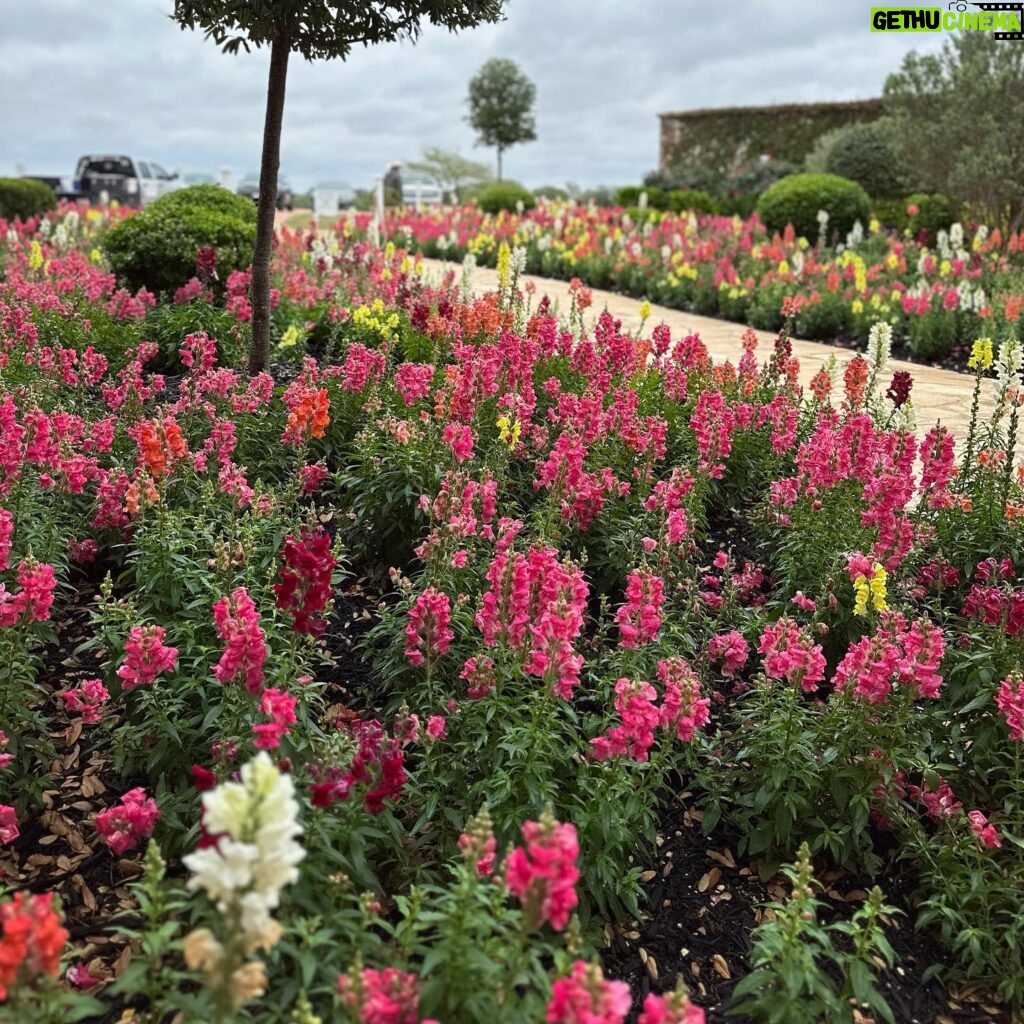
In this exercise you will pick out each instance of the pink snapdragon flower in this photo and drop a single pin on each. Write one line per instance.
(542, 875)
(87, 699)
(1010, 701)
(791, 654)
(478, 845)
(427, 632)
(146, 656)
(674, 1008)
(389, 996)
(585, 996)
(731, 650)
(986, 833)
(35, 599)
(305, 587)
(245, 652)
(639, 619)
(124, 826)
(279, 707)
(683, 711)
(634, 701)
(8, 825)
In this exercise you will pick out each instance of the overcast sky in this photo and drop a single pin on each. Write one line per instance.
(81, 76)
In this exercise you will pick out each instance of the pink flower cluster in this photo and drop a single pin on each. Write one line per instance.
(238, 624)
(542, 875)
(731, 650)
(585, 996)
(87, 700)
(640, 618)
(994, 600)
(790, 653)
(634, 701)
(535, 605)
(378, 763)
(33, 602)
(389, 996)
(427, 632)
(478, 845)
(305, 586)
(146, 656)
(986, 832)
(6, 532)
(1010, 701)
(279, 707)
(5, 756)
(897, 654)
(682, 712)
(124, 826)
(9, 830)
(413, 381)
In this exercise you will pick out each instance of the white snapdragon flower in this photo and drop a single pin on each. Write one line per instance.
(256, 854)
(1008, 363)
(879, 346)
(468, 266)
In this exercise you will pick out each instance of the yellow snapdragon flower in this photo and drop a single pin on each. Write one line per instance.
(981, 354)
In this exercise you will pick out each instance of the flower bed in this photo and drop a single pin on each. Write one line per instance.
(937, 294)
(567, 644)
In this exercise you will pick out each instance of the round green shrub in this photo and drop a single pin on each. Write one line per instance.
(891, 213)
(934, 213)
(210, 197)
(864, 153)
(629, 195)
(505, 195)
(550, 192)
(157, 247)
(797, 199)
(22, 198)
(681, 200)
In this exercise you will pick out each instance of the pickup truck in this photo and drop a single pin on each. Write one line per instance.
(103, 178)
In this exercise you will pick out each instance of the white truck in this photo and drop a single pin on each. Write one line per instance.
(103, 178)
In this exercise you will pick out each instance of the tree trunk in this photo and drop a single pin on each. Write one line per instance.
(499, 163)
(259, 354)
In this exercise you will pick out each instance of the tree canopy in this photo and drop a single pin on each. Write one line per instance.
(501, 106)
(315, 29)
(318, 29)
(959, 118)
(451, 172)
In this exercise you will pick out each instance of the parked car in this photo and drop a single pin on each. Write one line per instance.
(419, 192)
(128, 180)
(250, 186)
(332, 195)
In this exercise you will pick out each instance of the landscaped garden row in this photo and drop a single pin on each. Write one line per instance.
(613, 576)
(937, 291)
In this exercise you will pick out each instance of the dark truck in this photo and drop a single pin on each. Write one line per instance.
(104, 179)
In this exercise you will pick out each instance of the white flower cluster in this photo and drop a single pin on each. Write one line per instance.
(879, 346)
(255, 854)
(1008, 364)
(856, 235)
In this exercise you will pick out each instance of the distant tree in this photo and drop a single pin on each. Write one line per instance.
(315, 29)
(501, 106)
(959, 124)
(451, 172)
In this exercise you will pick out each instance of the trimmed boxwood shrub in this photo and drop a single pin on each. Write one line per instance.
(22, 198)
(210, 197)
(505, 195)
(797, 199)
(864, 153)
(157, 247)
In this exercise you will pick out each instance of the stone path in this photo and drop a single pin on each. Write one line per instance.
(938, 395)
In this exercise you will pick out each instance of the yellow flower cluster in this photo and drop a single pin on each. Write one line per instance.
(290, 337)
(376, 318)
(35, 255)
(870, 590)
(504, 258)
(981, 354)
(509, 431)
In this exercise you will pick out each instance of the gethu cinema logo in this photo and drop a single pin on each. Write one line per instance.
(935, 19)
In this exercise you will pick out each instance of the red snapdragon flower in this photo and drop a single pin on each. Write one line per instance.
(305, 586)
(427, 632)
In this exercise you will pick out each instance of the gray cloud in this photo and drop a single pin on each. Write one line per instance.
(77, 76)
